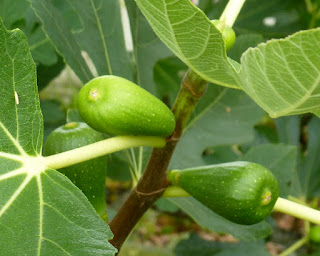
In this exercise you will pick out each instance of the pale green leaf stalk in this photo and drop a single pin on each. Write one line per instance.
(297, 210)
(231, 12)
(101, 148)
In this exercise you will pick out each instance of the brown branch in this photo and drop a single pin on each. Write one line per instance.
(154, 180)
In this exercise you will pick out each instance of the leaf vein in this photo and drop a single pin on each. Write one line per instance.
(15, 195)
(12, 139)
(104, 42)
(40, 213)
(55, 244)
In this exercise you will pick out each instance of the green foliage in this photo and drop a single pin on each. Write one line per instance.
(269, 74)
(168, 74)
(53, 116)
(207, 57)
(145, 43)
(242, 43)
(73, 25)
(45, 74)
(211, 221)
(56, 214)
(280, 75)
(309, 166)
(197, 246)
(288, 129)
(19, 14)
(222, 117)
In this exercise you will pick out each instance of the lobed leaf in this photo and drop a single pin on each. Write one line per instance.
(60, 34)
(91, 26)
(283, 76)
(191, 36)
(41, 211)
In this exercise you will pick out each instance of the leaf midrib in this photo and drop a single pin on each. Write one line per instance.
(104, 43)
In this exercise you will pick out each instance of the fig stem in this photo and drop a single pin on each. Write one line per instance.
(174, 191)
(297, 210)
(231, 12)
(101, 148)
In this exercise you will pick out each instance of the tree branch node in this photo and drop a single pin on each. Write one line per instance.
(189, 88)
(156, 192)
(173, 137)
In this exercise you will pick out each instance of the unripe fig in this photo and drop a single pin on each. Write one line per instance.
(241, 192)
(116, 106)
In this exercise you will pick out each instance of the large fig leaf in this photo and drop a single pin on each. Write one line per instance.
(87, 26)
(283, 76)
(191, 36)
(41, 211)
